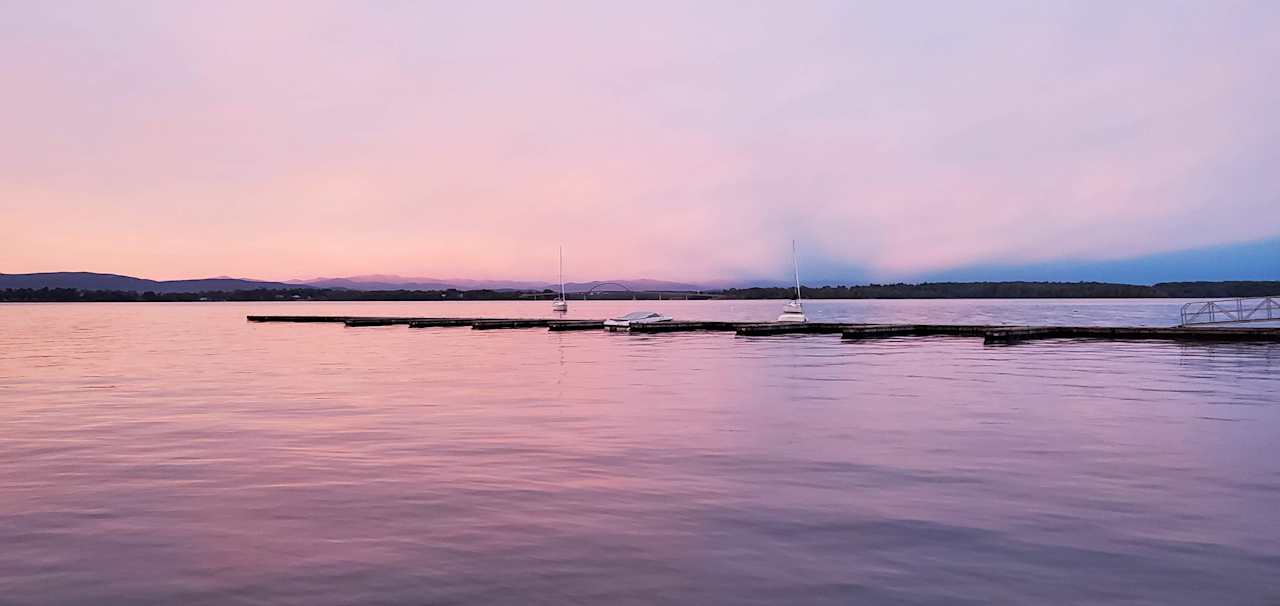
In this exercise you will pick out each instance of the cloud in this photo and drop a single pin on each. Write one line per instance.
(674, 140)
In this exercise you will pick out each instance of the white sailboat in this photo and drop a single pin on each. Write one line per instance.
(793, 311)
(561, 304)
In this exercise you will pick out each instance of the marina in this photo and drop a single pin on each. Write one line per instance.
(990, 333)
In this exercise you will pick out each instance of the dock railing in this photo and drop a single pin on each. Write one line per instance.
(1231, 311)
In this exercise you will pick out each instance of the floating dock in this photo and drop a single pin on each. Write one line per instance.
(991, 334)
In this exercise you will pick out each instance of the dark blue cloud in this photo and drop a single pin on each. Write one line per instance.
(1249, 261)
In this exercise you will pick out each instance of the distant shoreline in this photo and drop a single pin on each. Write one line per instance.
(925, 291)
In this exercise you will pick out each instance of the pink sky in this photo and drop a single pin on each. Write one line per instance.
(675, 140)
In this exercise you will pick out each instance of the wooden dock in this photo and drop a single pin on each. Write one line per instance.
(575, 325)
(991, 334)
(438, 322)
(1130, 333)
(760, 329)
(679, 326)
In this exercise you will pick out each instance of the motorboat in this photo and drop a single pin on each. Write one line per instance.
(793, 311)
(636, 317)
(561, 304)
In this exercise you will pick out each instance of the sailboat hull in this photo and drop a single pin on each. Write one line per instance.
(793, 311)
(792, 316)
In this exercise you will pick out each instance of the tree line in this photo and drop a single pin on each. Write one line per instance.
(927, 290)
(1018, 290)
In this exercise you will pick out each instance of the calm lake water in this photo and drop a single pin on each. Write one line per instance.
(174, 453)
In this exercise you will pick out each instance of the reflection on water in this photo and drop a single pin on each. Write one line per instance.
(174, 453)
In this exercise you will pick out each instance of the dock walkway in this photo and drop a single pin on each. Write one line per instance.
(991, 334)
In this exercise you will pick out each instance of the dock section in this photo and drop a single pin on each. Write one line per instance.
(761, 329)
(357, 322)
(1129, 333)
(298, 318)
(439, 322)
(575, 325)
(510, 323)
(678, 326)
(877, 331)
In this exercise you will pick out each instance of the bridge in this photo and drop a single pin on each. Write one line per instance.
(1231, 311)
(611, 290)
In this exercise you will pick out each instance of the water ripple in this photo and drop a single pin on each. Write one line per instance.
(153, 454)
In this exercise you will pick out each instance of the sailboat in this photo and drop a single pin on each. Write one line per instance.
(561, 304)
(793, 311)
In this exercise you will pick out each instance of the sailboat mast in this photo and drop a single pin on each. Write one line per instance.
(562, 273)
(796, 264)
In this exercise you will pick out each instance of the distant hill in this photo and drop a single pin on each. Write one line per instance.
(393, 282)
(354, 284)
(83, 280)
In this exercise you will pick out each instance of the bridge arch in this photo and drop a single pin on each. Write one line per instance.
(597, 285)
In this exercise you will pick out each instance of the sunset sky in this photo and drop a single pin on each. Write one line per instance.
(672, 140)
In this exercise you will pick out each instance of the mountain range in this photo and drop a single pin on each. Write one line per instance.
(394, 282)
(84, 280)
(99, 281)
